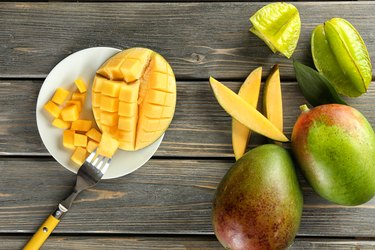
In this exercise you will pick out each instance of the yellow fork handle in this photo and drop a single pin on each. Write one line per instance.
(42, 234)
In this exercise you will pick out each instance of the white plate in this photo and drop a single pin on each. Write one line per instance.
(83, 64)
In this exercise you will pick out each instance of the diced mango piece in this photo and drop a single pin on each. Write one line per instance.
(70, 113)
(127, 109)
(79, 156)
(108, 129)
(129, 92)
(96, 99)
(60, 96)
(81, 125)
(77, 96)
(127, 123)
(58, 123)
(111, 88)
(107, 146)
(52, 108)
(108, 118)
(111, 69)
(91, 146)
(109, 104)
(75, 102)
(81, 85)
(68, 139)
(98, 83)
(80, 140)
(94, 134)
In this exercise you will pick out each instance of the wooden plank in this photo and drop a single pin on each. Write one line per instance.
(199, 39)
(162, 197)
(200, 127)
(162, 243)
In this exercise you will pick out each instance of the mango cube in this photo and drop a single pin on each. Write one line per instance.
(77, 96)
(60, 96)
(91, 146)
(81, 125)
(94, 134)
(79, 156)
(109, 104)
(129, 92)
(68, 139)
(52, 108)
(111, 88)
(107, 146)
(108, 118)
(70, 113)
(80, 85)
(75, 102)
(58, 123)
(80, 140)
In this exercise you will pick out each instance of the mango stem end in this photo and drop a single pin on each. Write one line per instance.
(304, 108)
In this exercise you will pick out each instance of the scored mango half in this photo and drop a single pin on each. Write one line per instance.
(134, 97)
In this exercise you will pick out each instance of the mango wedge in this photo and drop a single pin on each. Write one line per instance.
(272, 99)
(243, 112)
(249, 91)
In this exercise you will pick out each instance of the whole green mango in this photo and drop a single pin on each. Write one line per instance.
(258, 203)
(340, 54)
(334, 145)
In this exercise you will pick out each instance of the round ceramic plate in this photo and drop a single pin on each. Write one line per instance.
(82, 64)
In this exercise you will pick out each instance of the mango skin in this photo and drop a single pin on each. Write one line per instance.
(335, 147)
(258, 203)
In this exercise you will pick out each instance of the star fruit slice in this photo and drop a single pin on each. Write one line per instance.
(279, 26)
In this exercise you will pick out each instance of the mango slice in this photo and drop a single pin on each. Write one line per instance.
(134, 97)
(249, 91)
(81, 125)
(243, 112)
(340, 54)
(272, 99)
(279, 26)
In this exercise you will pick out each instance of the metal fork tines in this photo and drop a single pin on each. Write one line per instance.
(89, 174)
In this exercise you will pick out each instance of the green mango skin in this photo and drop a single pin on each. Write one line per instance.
(340, 54)
(258, 203)
(279, 26)
(335, 147)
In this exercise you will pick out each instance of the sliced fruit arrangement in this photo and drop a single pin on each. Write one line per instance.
(134, 97)
(249, 91)
(279, 26)
(79, 135)
(340, 54)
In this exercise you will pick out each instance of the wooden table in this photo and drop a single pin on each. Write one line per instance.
(166, 204)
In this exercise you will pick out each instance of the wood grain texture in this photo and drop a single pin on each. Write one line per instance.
(173, 243)
(199, 39)
(162, 197)
(200, 128)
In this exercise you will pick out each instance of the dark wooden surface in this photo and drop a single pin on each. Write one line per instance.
(166, 203)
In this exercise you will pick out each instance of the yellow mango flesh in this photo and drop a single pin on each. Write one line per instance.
(134, 97)
(249, 91)
(243, 112)
(272, 99)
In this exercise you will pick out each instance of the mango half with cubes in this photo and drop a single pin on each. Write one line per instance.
(134, 97)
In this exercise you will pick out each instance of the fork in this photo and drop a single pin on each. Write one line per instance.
(88, 175)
